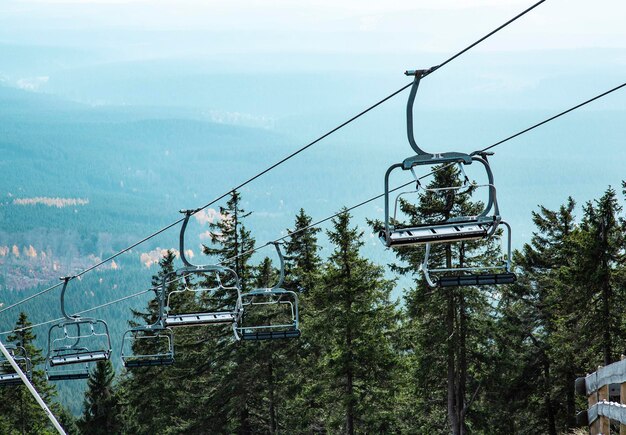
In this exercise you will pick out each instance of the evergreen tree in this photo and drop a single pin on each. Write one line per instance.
(232, 239)
(601, 258)
(302, 255)
(536, 338)
(350, 324)
(303, 264)
(101, 410)
(227, 371)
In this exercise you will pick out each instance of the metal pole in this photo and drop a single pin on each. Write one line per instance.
(32, 390)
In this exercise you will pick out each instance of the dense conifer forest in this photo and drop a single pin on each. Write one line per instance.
(457, 359)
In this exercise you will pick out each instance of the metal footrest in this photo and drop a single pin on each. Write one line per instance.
(68, 376)
(449, 232)
(270, 335)
(195, 319)
(478, 279)
(149, 362)
(81, 357)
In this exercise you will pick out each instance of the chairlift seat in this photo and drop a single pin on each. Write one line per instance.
(9, 379)
(477, 279)
(79, 357)
(448, 231)
(196, 319)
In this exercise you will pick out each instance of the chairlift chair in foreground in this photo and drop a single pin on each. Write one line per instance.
(216, 291)
(74, 343)
(148, 345)
(8, 375)
(270, 313)
(455, 229)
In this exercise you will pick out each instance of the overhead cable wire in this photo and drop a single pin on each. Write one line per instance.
(552, 118)
(346, 210)
(106, 304)
(283, 160)
(47, 322)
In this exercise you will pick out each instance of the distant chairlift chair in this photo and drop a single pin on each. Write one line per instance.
(8, 375)
(74, 343)
(222, 301)
(263, 306)
(148, 345)
(481, 226)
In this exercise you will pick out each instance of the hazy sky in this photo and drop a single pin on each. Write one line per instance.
(186, 27)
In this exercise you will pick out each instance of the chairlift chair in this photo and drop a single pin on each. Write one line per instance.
(270, 303)
(148, 345)
(221, 301)
(454, 229)
(74, 343)
(8, 375)
(157, 341)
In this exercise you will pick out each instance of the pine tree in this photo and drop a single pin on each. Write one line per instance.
(536, 341)
(302, 400)
(233, 239)
(302, 255)
(101, 409)
(351, 322)
(601, 258)
(227, 371)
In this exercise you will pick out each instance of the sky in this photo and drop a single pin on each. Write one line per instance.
(156, 28)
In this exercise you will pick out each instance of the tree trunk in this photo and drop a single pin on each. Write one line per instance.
(462, 349)
(462, 369)
(546, 395)
(606, 313)
(349, 380)
(272, 410)
(450, 347)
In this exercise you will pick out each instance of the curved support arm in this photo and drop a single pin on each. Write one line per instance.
(409, 114)
(281, 279)
(188, 214)
(65, 280)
